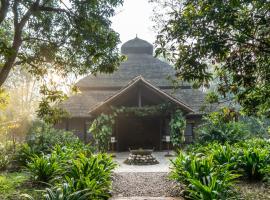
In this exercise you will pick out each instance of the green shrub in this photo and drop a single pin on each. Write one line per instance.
(9, 184)
(62, 192)
(258, 126)
(177, 127)
(93, 173)
(24, 155)
(65, 192)
(4, 161)
(203, 178)
(255, 162)
(230, 132)
(254, 142)
(101, 129)
(225, 154)
(218, 185)
(43, 168)
(6, 155)
(43, 137)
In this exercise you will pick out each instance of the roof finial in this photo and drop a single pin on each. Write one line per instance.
(136, 35)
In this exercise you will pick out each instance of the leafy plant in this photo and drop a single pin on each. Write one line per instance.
(213, 186)
(43, 137)
(230, 132)
(24, 155)
(62, 192)
(4, 161)
(224, 154)
(93, 173)
(254, 142)
(224, 47)
(203, 177)
(101, 129)
(255, 162)
(6, 156)
(177, 127)
(43, 168)
(9, 183)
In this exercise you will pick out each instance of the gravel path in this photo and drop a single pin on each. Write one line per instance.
(149, 184)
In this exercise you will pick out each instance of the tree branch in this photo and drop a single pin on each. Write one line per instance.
(3, 9)
(51, 9)
(15, 12)
(17, 39)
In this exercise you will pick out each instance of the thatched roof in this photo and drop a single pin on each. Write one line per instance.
(140, 62)
(140, 81)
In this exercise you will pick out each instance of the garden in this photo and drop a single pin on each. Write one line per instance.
(230, 159)
(222, 49)
(53, 164)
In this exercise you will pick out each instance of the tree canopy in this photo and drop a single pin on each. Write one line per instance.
(228, 39)
(70, 36)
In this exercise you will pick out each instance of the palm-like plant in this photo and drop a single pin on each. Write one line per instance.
(93, 173)
(203, 176)
(43, 168)
(213, 186)
(62, 192)
(255, 162)
(225, 154)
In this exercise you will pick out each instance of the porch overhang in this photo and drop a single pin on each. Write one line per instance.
(141, 82)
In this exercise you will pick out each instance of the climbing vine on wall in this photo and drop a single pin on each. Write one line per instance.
(101, 129)
(143, 111)
(102, 126)
(177, 128)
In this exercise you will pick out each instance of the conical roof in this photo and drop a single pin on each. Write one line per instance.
(137, 46)
(140, 62)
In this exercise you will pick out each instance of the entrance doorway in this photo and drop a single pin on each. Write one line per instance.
(138, 132)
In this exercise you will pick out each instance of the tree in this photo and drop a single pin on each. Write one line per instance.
(67, 36)
(232, 36)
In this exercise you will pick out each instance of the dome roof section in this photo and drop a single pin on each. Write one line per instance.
(152, 69)
(140, 62)
(137, 46)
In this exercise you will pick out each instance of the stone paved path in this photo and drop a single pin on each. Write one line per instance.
(163, 166)
(153, 184)
(149, 182)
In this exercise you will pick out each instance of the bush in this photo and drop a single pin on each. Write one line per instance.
(254, 142)
(43, 137)
(101, 129)
(75, 171)
(43, 168)
(255, 162)
(93, 173)
(6, 156)
(9, 184)
(230, 132)
(210, 171)
(62, 192)
(4, 161)
(203, 178)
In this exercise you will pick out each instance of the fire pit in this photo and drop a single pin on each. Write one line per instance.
(141, 157)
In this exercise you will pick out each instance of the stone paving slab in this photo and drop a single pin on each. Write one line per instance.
(163, 166)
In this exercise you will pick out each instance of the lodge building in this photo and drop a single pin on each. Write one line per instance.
(141, 80)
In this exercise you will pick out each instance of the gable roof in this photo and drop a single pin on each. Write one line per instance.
(133, 83)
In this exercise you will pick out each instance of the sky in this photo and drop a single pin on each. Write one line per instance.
(134, 17)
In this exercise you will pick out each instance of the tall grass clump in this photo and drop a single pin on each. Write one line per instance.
(91, 173)
(43, 168)
(203, 178)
